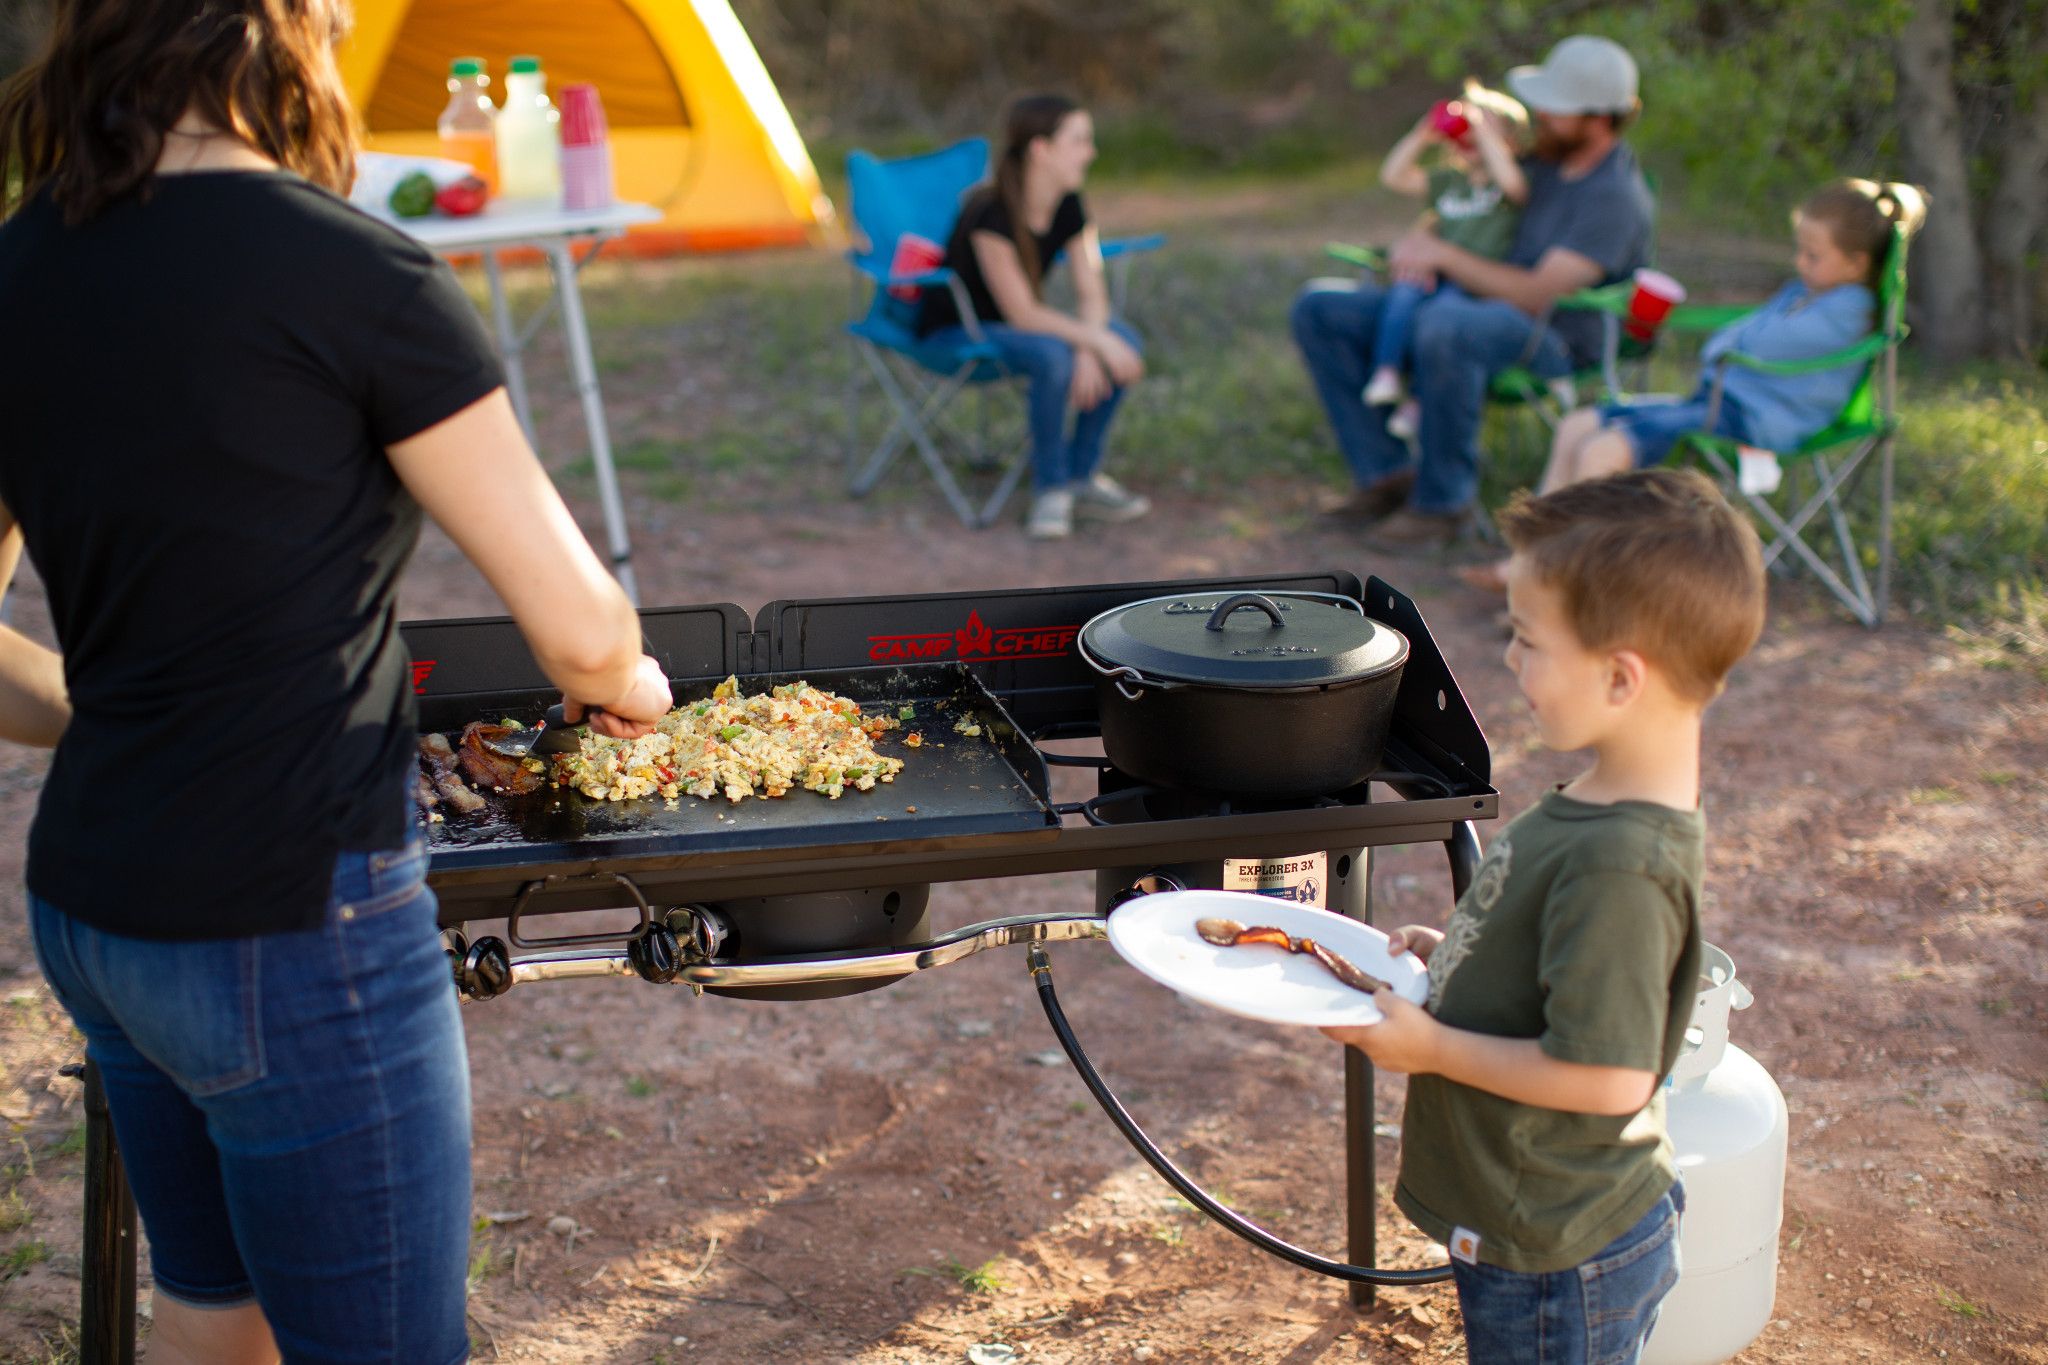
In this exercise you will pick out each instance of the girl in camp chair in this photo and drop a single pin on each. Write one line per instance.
(1009, 234)
(1840, 236)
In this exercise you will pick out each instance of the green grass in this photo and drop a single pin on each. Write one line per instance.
(978, 1279)
(1957, 1304)
(20, 1257)
(753, 352)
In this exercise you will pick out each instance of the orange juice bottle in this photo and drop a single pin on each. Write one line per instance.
(469, 123)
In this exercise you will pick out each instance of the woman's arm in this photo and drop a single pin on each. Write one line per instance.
(1091, 285)
(1402, 172)
(478, 478)
(1003, 268)
(34, 704)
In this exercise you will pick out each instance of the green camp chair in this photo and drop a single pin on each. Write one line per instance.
(1834, 457)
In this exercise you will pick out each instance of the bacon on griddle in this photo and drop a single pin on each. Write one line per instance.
(487, 769)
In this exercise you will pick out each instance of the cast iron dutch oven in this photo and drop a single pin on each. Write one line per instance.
(1278, 695)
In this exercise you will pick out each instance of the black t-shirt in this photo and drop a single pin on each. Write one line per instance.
(986, 212)
(199, 387)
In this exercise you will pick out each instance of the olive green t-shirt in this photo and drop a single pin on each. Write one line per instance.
(1581, 931)
(1478, 218)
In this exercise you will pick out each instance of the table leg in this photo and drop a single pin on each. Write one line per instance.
(1361, 1155)
(563, 262)
(508, 343)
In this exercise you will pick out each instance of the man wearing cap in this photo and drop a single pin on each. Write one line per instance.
(1588, 221)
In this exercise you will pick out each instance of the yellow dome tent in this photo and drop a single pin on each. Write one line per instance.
(697, 127)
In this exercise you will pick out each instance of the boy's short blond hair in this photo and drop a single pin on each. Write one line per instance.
(1655, 561)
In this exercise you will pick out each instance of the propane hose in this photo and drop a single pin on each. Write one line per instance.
(1041, 972)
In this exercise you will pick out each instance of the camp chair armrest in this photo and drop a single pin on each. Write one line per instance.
(1872, 345)
(1132, 246)
(1611, 299)
(1706, 317)
(876, 269)
(1364, 257)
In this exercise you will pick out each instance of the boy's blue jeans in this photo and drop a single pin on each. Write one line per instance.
(293, 1113)
(1460, 343)
(1047, 363)
(1598, 1313)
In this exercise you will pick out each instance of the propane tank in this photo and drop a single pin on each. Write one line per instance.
(1727, 1120)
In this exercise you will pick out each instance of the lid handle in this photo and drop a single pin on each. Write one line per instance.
(1241, 600)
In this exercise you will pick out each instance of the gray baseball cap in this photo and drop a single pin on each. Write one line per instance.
(1582, 75)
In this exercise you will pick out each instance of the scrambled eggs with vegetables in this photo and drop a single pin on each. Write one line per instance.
(792, 736)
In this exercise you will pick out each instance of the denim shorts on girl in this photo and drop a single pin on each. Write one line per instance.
(293, 1113)
(1653, 427)
(1597, 1313)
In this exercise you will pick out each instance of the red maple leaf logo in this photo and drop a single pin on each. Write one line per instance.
(975, 637)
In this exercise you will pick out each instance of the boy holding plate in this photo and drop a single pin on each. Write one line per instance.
(1534, 1143)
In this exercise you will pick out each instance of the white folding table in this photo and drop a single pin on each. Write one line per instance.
(553, 233)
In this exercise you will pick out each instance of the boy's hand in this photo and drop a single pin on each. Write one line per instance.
(1405, 1040)
(1414, 938)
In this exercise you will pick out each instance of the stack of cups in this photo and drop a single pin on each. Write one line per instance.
(586, 150)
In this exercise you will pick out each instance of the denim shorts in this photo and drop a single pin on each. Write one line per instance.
(293, 1112)
(1653, 428)
(1598, 1313)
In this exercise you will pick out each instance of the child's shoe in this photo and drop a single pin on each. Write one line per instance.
(1384, 389)
(1051, 516)
(1103, 498)
(1405, 421)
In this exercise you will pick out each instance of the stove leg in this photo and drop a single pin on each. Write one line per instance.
(1361, 1175)
(106, 1324)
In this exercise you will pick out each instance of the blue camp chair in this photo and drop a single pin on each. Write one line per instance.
(922, 195)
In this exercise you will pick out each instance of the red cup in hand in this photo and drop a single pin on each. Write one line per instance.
(1655, 295)
(1449, 118)
(914, 256)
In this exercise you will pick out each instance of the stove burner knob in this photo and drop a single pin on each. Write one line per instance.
(702, 931)
(486, 971)
(1150, 884)
(655, 954)
(456, 945)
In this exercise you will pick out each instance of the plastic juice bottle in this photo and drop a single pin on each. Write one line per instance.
(529, 139)
(469, 124)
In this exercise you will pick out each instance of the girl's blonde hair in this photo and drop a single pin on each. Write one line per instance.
(1505, 106)
(1861, 215)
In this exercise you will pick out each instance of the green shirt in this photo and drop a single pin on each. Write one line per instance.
(1582, 932)
(1477, 217)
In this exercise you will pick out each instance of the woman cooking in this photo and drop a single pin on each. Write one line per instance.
(229, 396)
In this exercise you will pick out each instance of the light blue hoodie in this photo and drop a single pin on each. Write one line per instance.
(1780, 411)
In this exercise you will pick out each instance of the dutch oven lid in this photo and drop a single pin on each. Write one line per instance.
(1272, 639)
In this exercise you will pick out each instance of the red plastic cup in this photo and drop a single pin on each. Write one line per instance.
(1655, 295)
(914, 256)
(1449, 118)
(582, 116)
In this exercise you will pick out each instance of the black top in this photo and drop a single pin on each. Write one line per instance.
(986, 212)
(199, 387)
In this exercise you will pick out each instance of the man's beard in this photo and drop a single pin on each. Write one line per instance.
(1552, 145)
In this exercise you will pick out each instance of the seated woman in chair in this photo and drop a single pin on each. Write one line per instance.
(1010, 232)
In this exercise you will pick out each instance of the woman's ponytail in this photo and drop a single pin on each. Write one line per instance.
(1030, 118)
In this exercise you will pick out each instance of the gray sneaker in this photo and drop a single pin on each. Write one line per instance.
(1051, 516)
(1104, 499)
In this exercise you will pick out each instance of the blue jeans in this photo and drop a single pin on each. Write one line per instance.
(1652, 428)
(1057, 458)
(1460, 343)
(1598, 1313)
(1396, 328)
(293, 1113)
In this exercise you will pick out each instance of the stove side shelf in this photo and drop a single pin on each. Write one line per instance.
(1434, 730)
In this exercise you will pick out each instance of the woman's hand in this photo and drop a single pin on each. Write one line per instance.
(1120, 358)
(1090, 383)
(1414, 938)
(1406, 1039)
(646, 701)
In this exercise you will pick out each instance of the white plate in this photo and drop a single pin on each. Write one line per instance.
(1156, 934)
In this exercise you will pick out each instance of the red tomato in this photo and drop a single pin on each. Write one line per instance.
(466, 196)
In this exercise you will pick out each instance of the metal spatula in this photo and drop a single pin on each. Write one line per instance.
(554, 735)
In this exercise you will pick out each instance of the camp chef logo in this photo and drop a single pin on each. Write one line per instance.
(975, 640)
(420, 669)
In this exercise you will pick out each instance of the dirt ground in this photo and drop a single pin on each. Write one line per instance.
(914, 1175)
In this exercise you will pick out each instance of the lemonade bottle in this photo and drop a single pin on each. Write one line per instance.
(529, 139)
(469, 124)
